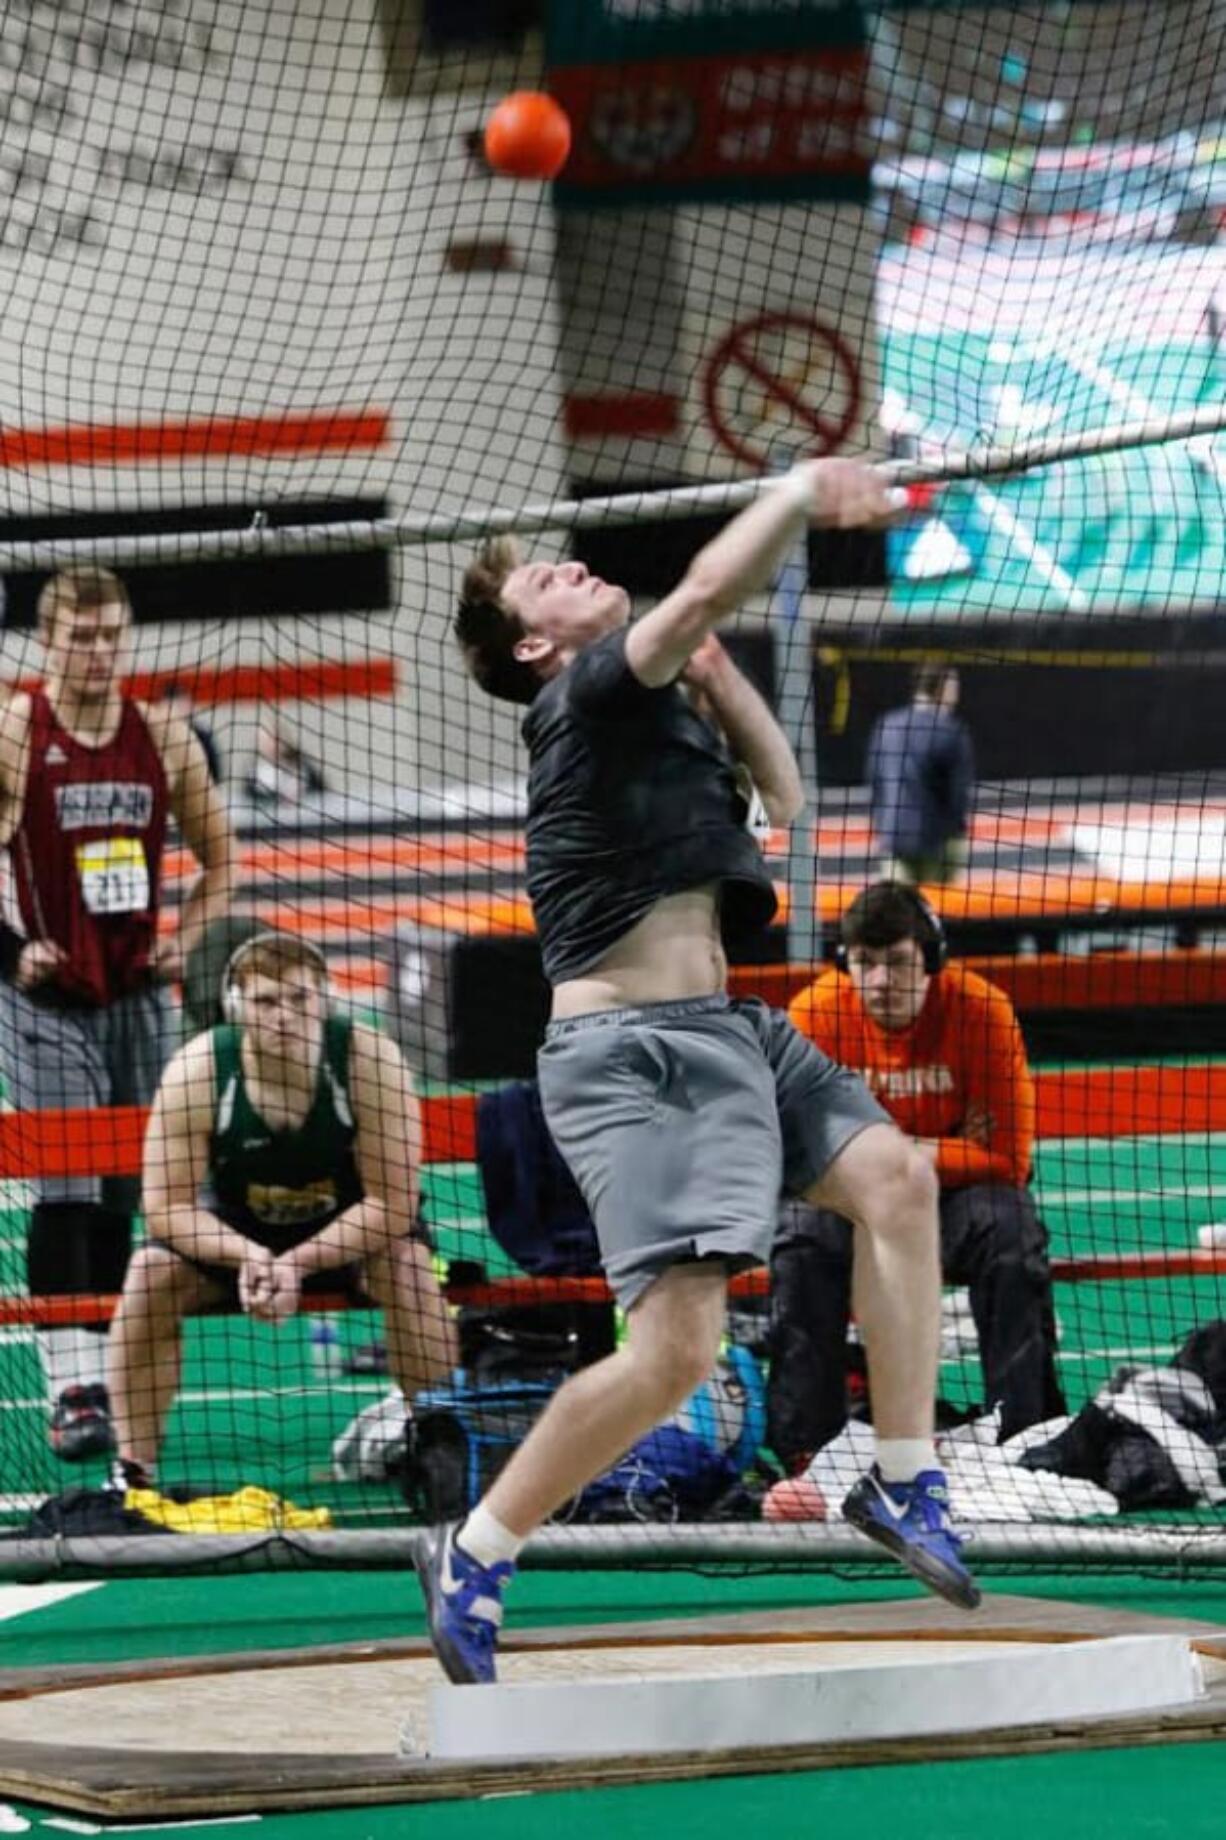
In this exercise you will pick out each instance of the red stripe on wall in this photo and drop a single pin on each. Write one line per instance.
(264, 683)
(200, 437)
(636, 412)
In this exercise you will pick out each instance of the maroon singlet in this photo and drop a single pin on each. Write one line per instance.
(86, 857)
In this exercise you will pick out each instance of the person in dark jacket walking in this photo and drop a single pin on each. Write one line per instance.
(921, 772)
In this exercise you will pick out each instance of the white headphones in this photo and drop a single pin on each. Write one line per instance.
(231, 990)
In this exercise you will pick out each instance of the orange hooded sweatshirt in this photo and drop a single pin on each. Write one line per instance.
(963, 1054)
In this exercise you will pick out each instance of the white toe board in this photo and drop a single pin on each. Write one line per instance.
(692, 1711)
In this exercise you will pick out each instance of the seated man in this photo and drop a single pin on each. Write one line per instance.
(941, 1050)
(281, 1158)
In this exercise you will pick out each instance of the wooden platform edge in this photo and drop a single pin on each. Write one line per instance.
(1004, 1617)
(144, 1785)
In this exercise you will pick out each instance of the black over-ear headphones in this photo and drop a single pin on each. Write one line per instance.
(231, 990)
(928, 932)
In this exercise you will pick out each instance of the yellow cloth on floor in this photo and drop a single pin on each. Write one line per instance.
(249, 1510)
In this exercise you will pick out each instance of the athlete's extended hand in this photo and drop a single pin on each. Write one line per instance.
(852, 495)
(38, 963)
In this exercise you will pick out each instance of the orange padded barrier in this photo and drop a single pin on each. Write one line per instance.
(1047, 900)
(1186, 979)
(1072, 1102)
(1090, 1102)
(1180, 979)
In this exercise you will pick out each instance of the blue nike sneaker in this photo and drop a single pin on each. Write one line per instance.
(463, 1605)
(911, 1520)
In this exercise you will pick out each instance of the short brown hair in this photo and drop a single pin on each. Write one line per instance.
(885, 912)
(488, 631)
(274, 955)
(930, 676)
(74, 589)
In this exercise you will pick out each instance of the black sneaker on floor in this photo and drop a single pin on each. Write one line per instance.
(127, 1474)
(366, 1358)
(81, 1424)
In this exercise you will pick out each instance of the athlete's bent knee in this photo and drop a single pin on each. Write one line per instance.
(903, 1184)
(679, 1359)
(156, 1277)
(396, 1273)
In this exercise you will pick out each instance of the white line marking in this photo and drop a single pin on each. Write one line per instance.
(22, 1599)
(158, 1827)
(214, 1395)
(1115, 1354)
(69, 1825)
(1035, 552)
(1183, 1191)
(1076, 1355)
(1129, 398)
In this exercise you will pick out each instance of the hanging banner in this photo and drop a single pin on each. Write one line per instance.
(710, 100)
(611, 31)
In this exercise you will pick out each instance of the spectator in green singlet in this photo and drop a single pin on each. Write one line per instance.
(281, 1158)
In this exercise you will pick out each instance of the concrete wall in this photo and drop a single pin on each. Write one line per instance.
(214, 209)
(211, 209)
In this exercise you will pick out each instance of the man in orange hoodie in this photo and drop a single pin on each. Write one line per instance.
(940, 1048)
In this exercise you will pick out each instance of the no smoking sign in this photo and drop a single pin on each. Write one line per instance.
(782, 383)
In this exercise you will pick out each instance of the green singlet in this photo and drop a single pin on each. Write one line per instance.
(281, 1187)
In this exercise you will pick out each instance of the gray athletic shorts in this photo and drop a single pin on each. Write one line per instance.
(684, 1123)
(53, 1057)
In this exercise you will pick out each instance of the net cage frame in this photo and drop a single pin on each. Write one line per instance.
(937, 466)
(1169, 1551)
(1181, 1551)
(995, 1548)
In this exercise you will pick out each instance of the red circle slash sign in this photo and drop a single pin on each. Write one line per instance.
(782, 379)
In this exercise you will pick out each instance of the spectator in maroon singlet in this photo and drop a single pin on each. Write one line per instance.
(175, 699)
(88, 779)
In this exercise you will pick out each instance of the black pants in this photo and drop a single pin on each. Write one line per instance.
(992, 1240)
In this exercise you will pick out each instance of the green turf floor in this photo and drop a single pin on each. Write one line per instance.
(1161, 1793)
(251, 1402)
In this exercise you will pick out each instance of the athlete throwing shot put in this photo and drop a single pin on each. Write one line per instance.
(682, 1113)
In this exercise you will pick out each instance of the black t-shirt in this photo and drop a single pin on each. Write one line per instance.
(631, 797)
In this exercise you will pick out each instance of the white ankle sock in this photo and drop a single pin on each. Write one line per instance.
(902, 1459)
(486, 1540)
(72, 1357)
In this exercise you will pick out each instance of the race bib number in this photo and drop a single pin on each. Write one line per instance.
(114, 875)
